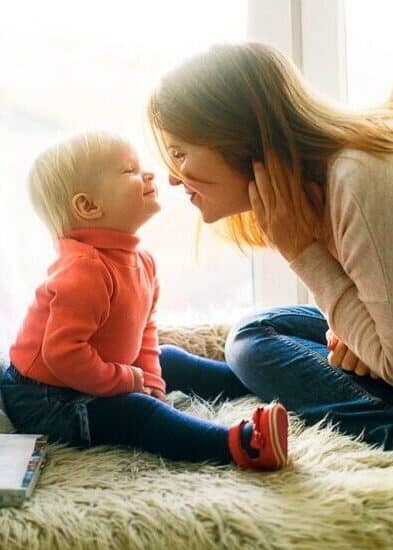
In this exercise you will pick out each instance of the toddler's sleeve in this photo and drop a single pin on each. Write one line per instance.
(148, 358)
(80, 300)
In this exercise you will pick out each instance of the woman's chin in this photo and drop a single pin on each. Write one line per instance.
(210, 217)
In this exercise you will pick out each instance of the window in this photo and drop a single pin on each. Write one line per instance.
(345, 50)
(369, 47)
(73, 66)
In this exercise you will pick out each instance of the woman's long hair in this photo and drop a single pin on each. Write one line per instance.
(248, 102)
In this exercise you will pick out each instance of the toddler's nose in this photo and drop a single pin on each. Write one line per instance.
(173, 180)
(148, 176)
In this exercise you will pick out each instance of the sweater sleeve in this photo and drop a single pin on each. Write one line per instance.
(355, 293)
(79, 305)
(148, 358)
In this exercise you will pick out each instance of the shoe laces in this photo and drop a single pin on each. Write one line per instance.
(258, 439)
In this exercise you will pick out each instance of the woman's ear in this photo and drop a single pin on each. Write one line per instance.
(85, 207)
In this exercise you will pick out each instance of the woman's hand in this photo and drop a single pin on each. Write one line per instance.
(341, 356)
(274, 213)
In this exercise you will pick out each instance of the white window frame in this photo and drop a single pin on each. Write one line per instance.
(311, 32)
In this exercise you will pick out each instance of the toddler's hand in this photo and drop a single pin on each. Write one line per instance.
(138, 379)
(341, 356)
(158, 394)
(155, 392)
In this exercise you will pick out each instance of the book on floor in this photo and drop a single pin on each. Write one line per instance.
(21, 459)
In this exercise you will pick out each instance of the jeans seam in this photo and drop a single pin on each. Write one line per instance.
(274, 316)
(337, 373)
(84, 422)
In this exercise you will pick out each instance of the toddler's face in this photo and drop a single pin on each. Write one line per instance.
(127, 194)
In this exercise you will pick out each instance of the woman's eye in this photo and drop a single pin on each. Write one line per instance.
(178, 155)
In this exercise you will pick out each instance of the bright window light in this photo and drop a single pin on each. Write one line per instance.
(369, 51)
(72, 66)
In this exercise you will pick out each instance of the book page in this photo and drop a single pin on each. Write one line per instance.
(15, 453)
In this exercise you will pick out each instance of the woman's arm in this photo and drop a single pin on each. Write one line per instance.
(355, 293)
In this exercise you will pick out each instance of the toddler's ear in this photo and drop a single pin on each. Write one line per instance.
(85, 207)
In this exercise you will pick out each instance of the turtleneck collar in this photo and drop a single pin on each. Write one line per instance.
(105, 238)
(121, 246)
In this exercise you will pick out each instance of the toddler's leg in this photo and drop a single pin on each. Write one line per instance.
(142, 421)
(190, 373)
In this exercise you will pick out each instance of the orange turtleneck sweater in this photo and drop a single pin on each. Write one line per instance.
(92, 318)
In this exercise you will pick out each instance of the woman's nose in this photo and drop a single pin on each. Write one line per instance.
(173, 180)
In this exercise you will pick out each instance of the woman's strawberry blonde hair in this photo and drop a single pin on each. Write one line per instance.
(249, 102)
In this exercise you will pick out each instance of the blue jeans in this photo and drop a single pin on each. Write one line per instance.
(281, 353)
(133, 419)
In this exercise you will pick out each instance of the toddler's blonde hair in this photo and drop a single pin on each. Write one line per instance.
(65, 169)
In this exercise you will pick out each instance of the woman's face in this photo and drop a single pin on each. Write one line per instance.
(217, 189)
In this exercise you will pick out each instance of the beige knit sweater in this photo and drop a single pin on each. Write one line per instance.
(355, 291)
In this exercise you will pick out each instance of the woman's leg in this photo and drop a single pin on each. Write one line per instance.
(190, 373)
(281, 354)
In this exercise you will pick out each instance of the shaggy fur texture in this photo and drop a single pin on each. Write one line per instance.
(336, 493)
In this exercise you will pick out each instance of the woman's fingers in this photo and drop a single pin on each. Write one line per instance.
(350, 361)
(331, 339)
(361, 369)
(336, 356)
(256, 199)
(263, 185)
(341, 356)
(257, 205)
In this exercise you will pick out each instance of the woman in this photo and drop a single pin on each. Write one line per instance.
(252, 145)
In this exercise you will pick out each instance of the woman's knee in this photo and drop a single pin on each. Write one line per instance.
(255, 336)
(243, 345)
(247, 340)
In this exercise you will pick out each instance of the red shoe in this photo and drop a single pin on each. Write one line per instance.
(269, 436)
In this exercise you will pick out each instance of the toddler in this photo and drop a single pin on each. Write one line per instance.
(86, 367)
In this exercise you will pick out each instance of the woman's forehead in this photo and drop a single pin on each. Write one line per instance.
(171, 140)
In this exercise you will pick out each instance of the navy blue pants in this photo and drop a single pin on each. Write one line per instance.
(132, 419)
(147, 423)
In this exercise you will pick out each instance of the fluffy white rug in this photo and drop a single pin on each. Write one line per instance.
(336, 493)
